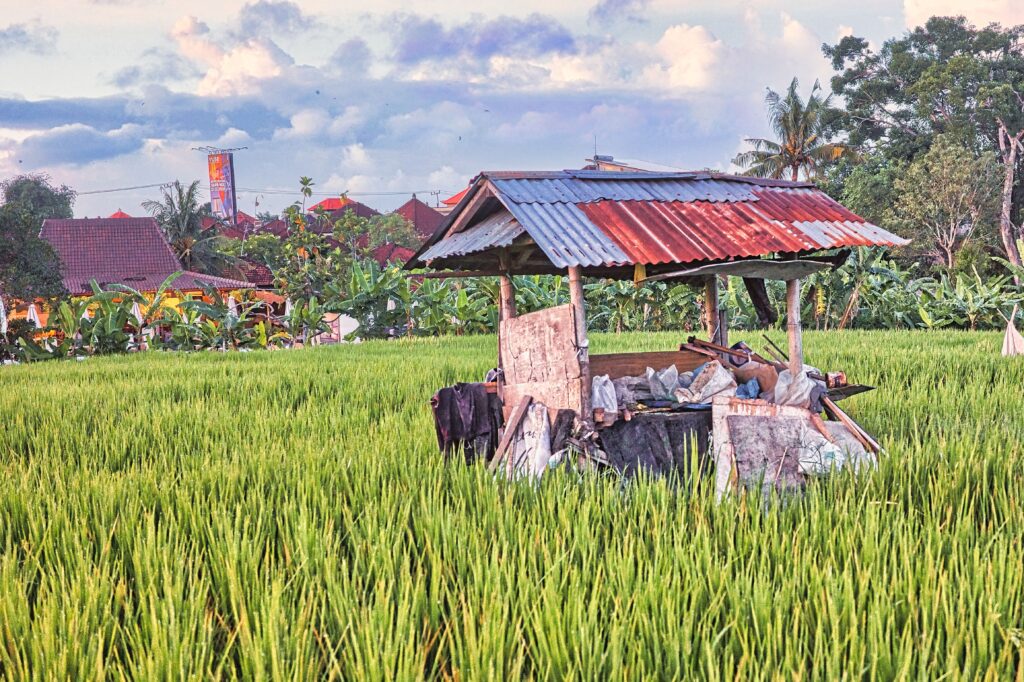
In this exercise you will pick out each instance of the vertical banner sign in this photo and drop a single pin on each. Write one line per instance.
(222, 186)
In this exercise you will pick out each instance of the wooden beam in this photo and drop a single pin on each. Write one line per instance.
(581, 342)
(711, 317)
(507, 292)
(794, 329)
(509, 434)
(455, 274)
(723, 318)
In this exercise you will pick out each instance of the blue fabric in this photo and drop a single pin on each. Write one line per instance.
(751, 389)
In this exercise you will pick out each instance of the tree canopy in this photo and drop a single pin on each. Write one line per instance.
(801, 131)
(947, 77)
(29, 268)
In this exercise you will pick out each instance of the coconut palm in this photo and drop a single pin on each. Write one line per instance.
(180, 215)
(801, 145)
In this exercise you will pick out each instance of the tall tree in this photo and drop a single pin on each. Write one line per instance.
(944, 77)
(947, 197)
(29, 268)
(35, 194)
(801, 131)
(180, 215)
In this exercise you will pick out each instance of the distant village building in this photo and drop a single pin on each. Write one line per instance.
(121, 250)
(603, 162)
(424, 219)
(449, 204)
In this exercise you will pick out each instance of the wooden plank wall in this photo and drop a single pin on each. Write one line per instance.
(617, 365)
(539, 359)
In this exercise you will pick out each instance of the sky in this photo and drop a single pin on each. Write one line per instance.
(388, 98)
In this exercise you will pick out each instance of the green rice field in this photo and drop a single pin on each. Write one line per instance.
(286, 515)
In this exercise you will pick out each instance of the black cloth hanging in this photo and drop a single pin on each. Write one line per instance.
(466, 416)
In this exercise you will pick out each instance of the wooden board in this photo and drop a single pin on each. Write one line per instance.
(759, 443)
(539, 358)
(617, 365)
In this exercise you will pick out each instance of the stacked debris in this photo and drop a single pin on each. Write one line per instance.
(746, 416)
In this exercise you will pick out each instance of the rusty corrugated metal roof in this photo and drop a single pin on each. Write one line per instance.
(603, 218)
(778, 220)
(499, 229)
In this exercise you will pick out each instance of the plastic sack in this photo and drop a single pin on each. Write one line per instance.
(602, 394)
(713, 380)
(531, 450)
(663, 383)
(796, 391)
(631, 390)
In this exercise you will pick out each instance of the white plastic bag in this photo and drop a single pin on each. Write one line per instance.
(792, 390)
(663, 383)
(603, 394)
(713, 380)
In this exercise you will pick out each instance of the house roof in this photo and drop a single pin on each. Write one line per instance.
(129, 251)
(331, 204)
(455, 198)
(609, 219)
(389, 252)
(425, 220)
(119, 214)
(334, 205)
(255, 272)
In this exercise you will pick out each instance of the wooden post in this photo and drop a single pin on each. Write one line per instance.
(793, 328)
(723, 322)
(507, 300)
(583, 350)
(711, 316)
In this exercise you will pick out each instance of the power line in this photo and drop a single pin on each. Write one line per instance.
(280, 192)
(124, 189)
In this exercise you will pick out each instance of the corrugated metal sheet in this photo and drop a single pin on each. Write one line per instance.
(499, 229)
(779, 221)
(594, 218)
(570, 190)
(565, 234)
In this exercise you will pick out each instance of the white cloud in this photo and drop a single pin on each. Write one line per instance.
(233, 71)
(690, 55)
(305, 123)
(1006, 12)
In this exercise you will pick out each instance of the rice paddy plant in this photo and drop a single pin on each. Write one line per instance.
(286, 515)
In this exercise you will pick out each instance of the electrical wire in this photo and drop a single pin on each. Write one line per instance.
(123, 189)
(278, 192)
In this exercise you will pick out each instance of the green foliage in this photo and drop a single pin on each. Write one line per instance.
(947, 198)
(944, 78)
(38, 196)
(801, 132)
(180, 214)
(29, 268)
(263, 247)
(287, 515)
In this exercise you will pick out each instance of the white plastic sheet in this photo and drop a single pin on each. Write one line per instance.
(602, 394)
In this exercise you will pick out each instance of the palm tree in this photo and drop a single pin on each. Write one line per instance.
(799, 127)
(180, 215)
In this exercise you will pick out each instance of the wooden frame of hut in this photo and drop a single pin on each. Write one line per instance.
(688, 227)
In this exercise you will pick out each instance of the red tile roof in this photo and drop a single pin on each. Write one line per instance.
(332, 204)
(119, 214)
(336, 204)
(424, 219)
(256, 273)
(389, 252)
(455, 198)
(129, 251)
